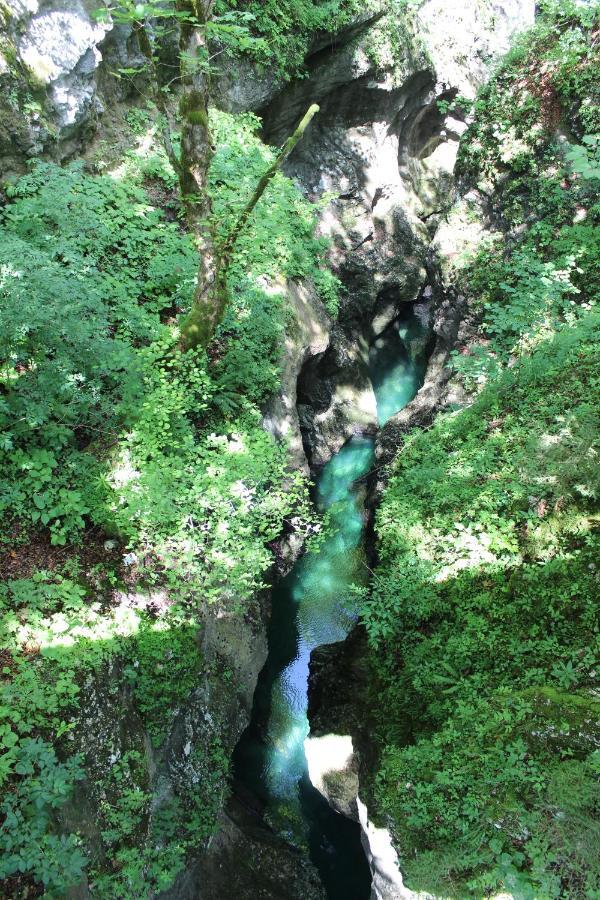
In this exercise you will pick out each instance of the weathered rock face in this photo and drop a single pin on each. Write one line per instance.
(307, 337)
(239, 86)
(247, 862)
(213, 715)
(340, 754)
(49, 57)
(55, 58)
(335, 398)
(464, 228)
(383, 147)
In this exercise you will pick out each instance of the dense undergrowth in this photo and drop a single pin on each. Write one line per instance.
(483, 621)
(137, 488)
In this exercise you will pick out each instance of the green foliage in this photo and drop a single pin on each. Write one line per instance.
(29, 843)
(280, 239)
(546, 276)
(86, 269)
(159, 659)
(179, 823)
(483, 619)
(165, 671)
(393, 43)
(106, 423)
(72, 383)
(126, 817)
(585, 158)
(286, 28)
(487, 593)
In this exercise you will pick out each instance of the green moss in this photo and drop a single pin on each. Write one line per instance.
(192, 107)
(563, 722)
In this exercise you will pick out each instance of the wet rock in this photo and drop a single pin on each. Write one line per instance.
(340, 753)
(335, 399)
(465, 229)
(386, 151)
(333, 770)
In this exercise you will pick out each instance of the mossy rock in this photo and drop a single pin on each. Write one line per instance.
(563, 721)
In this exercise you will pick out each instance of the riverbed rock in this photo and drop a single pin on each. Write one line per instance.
(335, 398)
(339, 751)
(246, 861)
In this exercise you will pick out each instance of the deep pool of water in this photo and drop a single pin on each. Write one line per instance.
(315, 605)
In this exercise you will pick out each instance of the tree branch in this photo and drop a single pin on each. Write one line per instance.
(232, 237)
(157, 95)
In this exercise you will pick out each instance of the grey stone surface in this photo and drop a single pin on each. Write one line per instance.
(307, 336)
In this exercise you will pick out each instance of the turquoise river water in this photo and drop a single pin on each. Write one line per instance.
(315, 605)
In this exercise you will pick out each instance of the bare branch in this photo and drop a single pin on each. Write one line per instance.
(262, 185)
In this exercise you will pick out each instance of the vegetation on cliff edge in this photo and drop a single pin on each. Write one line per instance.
(483, 620)
(138, 488)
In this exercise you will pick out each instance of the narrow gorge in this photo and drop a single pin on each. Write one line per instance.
(308, 610)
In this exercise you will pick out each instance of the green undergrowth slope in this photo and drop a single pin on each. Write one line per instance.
(137, 490)
(483, 621)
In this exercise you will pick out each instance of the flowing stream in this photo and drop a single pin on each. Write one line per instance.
(315, 605)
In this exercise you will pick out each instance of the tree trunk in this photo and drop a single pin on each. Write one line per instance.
(196, 154)
(192, 167)
(262, 185)
(210, 299)
(197, 150)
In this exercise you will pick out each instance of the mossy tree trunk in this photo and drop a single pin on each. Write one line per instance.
(210, 299)
(193, 163)
(197, 151)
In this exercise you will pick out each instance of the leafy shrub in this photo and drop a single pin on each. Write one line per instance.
(29, 843)
(86, 268)
(105, 422)
(286, 28)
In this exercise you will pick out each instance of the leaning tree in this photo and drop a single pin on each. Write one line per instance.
(198, 27)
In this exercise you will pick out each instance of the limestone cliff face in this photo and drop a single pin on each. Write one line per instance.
(385, 150)
(49, 58)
